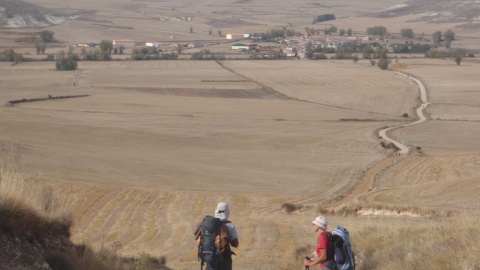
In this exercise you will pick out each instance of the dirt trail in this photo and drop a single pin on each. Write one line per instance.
(369, 178)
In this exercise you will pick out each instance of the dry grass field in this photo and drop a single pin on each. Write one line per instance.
(118, 157)
(156, 144)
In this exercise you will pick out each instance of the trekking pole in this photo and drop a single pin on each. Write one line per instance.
(306, 266)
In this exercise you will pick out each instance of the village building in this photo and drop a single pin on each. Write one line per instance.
(236, 36)
(290, 51)
(153, 44)
(245, 46)
(123, 42)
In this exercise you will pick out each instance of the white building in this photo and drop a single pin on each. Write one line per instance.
(246, 46)
(237, 36)
(123, 42)
(152, 44)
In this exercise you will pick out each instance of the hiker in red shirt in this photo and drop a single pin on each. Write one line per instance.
(320, 227)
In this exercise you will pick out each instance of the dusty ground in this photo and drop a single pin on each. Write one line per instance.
(137, 159)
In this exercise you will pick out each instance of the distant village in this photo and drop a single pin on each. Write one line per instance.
(289, 47)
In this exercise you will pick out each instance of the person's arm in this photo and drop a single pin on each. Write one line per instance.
(232, 234)
(234, 243)
(317, 260)
(197, 231)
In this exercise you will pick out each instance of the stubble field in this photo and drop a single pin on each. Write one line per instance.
(140, 168)
(155, 145)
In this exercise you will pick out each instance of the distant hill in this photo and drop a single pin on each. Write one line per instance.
(15, 14)
(437, 11)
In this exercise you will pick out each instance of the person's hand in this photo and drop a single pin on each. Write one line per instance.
(306, 262)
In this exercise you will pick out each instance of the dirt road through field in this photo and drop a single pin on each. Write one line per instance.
(369, 177)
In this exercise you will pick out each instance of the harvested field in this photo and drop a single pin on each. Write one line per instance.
(118, 157)
(154, 145)
(444, 171)
(199, 92)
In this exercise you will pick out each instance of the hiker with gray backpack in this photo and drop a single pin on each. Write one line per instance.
(333, 250)
(215, 235)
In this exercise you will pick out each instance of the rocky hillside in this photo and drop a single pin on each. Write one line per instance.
(15, 13)
(437, 11)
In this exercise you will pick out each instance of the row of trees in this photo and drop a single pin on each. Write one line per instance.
(323, 18)
(447, 37)
(410, 47)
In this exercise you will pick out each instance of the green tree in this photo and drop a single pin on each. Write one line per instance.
(437, 37)
(349, 32)
(106, 48)
(448, 43)
(17, 58)
(40, 46)
(66, 62)
(458, 59)
(407, 33)
(324, 17)
(210, 31)
(179, 48)
(8, 55)
(219, 33)
(377, 31)
(449, 35)
(383, 63)
(309, 51)
(367, 52)
(47, 36)
(373, 62)
(191, 29)
(381, 52)
(332, 29)
(342, 32)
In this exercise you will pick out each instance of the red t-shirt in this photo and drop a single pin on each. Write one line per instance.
(322, 243)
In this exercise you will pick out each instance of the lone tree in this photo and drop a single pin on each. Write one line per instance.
(377, 31)
(47, 36)
(437, 37)
(106, 48)
(407, 33)
(458, 59)
(449, 35)
(40, 46)
(179, 48)
(383, 63)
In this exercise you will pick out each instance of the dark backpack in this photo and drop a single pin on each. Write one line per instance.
(339, 252)
(334, 252)
(212, 242)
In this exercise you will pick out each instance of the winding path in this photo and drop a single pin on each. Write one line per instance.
(423, 95)
(369, 176)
